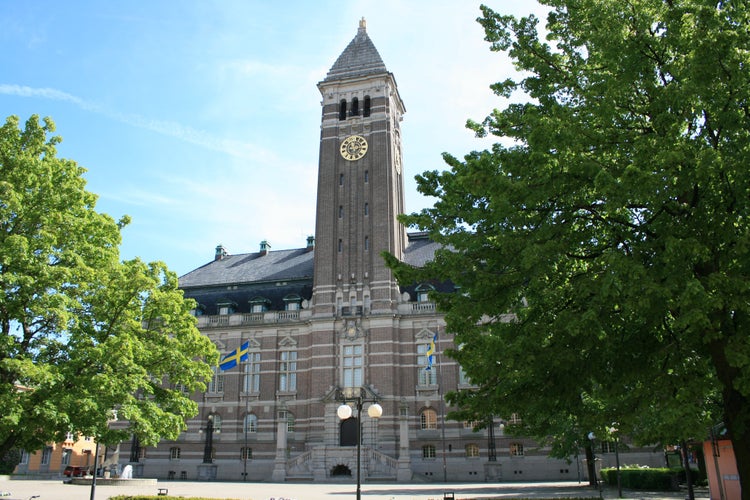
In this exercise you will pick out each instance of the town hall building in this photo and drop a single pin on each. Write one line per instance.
(308, 328)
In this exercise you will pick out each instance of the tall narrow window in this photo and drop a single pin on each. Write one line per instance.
(367, 242)
(341, 179)
(366, 110)
(463, 379)
(342, 109)
(367, 209)
(426, 377)
(252, 373)
(352, 365)
(66, 454)
(341, 246)
(46, 454)
(217, 381)
(251, 423)
(355, 107)
(286, 415)
(288, 371)
(367, 176)
(341, 212)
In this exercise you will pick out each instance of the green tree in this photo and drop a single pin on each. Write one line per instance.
(601, 248)
(81, 332)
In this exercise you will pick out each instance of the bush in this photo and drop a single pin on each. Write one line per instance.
(9, 461)
(639, 478)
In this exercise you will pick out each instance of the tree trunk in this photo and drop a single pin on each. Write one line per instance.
(591, 464)
(688, 472)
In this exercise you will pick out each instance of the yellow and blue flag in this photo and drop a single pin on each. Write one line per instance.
(431, 352)
(237, 356)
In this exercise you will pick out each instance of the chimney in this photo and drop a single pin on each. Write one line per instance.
(265, 247)
(221, 252)
(310, 244)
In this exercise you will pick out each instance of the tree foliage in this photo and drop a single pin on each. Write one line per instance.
(81, 332)
(601, 246)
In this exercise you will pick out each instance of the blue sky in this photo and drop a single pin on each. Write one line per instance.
(201, 119)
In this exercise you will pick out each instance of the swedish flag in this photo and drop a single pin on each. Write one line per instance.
(237, 356)
(431, 352)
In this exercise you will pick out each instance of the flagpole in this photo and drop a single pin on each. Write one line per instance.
(244, 419)
(442, 406)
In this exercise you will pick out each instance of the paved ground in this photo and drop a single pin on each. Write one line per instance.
(56, 490)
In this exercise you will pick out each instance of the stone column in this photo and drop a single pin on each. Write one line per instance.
(279, 466)
(404, 458)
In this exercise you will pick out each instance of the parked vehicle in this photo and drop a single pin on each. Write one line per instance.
(71, 471)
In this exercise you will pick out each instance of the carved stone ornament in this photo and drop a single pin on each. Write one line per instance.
(352, 329)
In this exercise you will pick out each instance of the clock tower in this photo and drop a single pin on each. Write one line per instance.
(360, 185)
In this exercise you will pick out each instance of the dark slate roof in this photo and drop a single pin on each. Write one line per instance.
(279, 274)
(279, 265)
(420, 249)
(359, 58)
(241, 296)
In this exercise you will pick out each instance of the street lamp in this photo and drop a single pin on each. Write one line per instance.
(358, 396)
(592, 437)
(208, 448)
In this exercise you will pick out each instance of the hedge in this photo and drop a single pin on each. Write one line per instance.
(638, 478)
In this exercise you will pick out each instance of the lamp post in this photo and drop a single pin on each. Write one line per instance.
(208, 447)
(358, 396)
(491, 450)
(592, 437)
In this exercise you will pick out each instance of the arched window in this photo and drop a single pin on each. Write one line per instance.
(217, 421)
(428, 419)
(366, 110)
(342, 109)
(286, 415)
(292, 302)
(251, 423)
(355, 107)
(423, 292)
(259, 304)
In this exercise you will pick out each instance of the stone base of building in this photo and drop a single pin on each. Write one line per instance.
(101, 481)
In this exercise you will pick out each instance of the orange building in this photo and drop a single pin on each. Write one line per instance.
(721, 467)
(51, 461)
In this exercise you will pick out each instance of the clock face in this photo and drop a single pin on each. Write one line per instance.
(353, 147)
